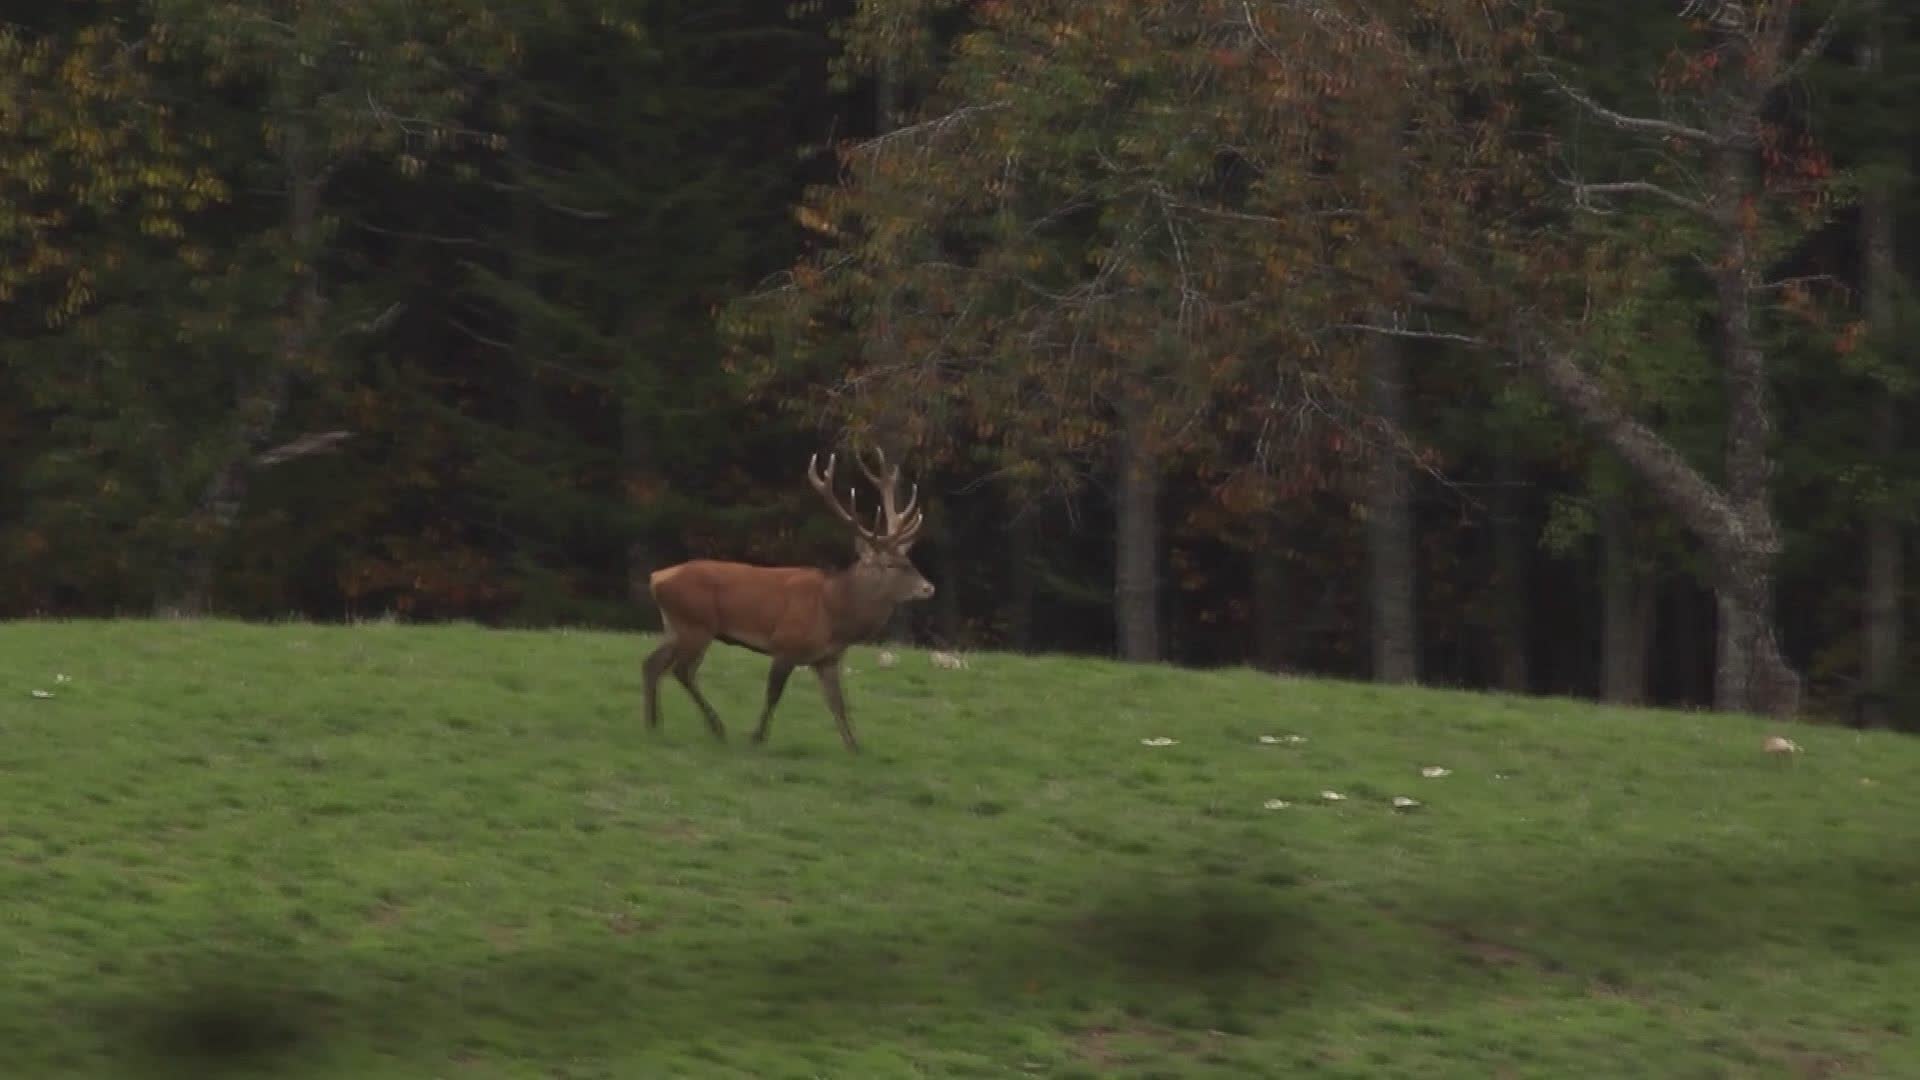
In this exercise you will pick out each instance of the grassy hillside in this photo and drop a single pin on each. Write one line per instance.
(382, 852)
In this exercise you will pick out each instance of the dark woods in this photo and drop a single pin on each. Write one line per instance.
(1347, 361)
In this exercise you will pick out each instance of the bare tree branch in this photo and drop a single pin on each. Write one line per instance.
(1705, 508)
(1803, 279)
(430, 238)
(381, 321)
(935, 126)
(319, 442)
(1408, 332)
(491, 342)
(1815, 45)
(1582, 193)
(1187, 294)
(579, 213)
(1624, 122)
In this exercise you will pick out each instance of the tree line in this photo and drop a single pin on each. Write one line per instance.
(1552, 347)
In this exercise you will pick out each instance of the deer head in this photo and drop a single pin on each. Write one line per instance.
(881, 564)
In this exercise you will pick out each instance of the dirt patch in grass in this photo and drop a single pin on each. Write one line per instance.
(1488, 952)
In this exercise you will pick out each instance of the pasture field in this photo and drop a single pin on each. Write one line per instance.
(382, 851)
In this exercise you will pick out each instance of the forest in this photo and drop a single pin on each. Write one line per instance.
(1546, 346)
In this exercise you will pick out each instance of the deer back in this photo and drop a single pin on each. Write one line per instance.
(778, 610)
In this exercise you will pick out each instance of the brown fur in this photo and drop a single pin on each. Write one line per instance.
(794, 615)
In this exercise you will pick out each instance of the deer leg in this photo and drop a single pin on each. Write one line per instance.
(656, 665)
(776, 683)
(686, 666)
(829, 673)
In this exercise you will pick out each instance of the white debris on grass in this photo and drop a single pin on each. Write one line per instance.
(1161, 740)
(42, 693)
(951, 661)
(1277, 804)
(1780, 744)
(886, 658)
(1333, 796)
(1275, 740)
(1435, 772)
(1401, 802)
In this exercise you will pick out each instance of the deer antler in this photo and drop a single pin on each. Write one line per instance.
(822, 481)
(894, 526)
(902, 522)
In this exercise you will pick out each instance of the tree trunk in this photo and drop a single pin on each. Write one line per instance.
(1271, 615)
(1885, 624)
(523, 236)
(1884, 627)
(639, 486)
(1745, 594)
(1732, 656)
(1510, 571)
(880, 342)
(261, 405)
(1646, 622)
(1743, 546)
(1022, 579)
(886, 91)
(1626, 610)
(1136, 589)
(1686, 633)
(1750, 672)
(1735, 524)
(947, 598)
(1748, 426)
(225, 495)
(1390, 558)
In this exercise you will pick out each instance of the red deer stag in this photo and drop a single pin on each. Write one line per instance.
(795, 615)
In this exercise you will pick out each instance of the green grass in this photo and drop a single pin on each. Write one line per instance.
(381, 851)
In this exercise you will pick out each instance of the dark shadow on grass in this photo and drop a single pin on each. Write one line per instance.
(231, 1013)
(225, 1014)
(1244, 945)
(1681, 908)
(1203, 932)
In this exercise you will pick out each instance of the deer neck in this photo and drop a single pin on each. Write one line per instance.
(858, 605)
